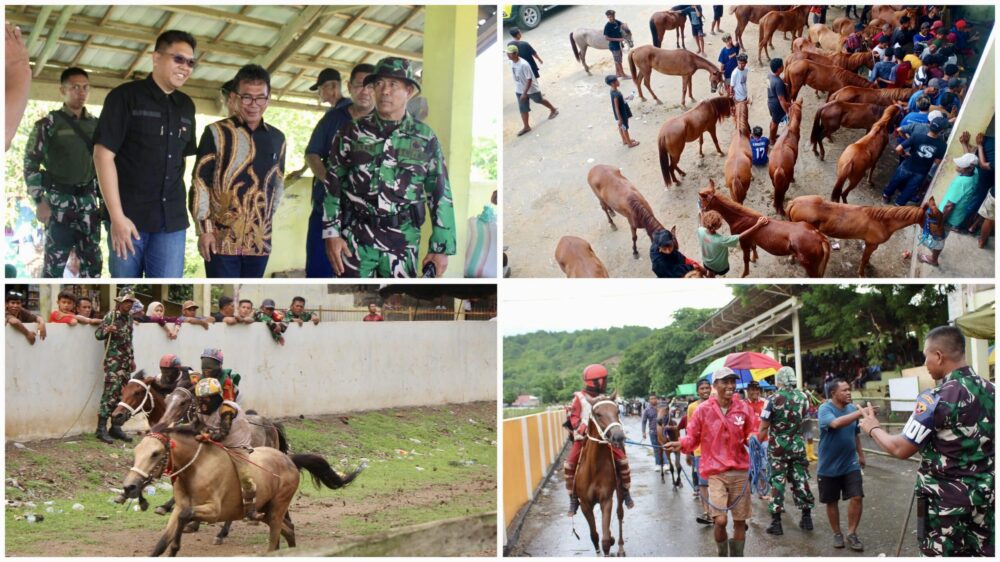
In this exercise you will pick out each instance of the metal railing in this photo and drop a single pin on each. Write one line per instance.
(404, 314)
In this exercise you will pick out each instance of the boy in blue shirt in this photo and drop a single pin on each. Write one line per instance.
(758, 147)
(727, 60)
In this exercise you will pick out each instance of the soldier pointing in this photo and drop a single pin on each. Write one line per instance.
(386, 170)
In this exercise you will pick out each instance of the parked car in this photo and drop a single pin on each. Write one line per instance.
(524, 17)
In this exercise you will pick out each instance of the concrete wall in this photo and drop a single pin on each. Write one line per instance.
(530, 445)
(53, 387)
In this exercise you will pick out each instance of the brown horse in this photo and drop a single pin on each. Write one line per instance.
(142, 395)
(853, 61)
(862, 94)
(749, 14)
(666, 432)
(843, 26)
(617, 194)
(861, 156)
(577, 259)
(207, 487)
(890, 14)
(808, 245)
(781, 162)
(826, 38)
(739, 163)
(874, 225)
(673, 62)
(810, 54)
(820, 77)
(792, 20)
(596, 475)
(836, 115)
(662, 22)
(685, 128)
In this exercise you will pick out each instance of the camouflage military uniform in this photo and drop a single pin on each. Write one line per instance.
(381, 175)
(306, 316)
(786, 450)
(276, 328)
(118, 358)
(59, 169)
(953, 425)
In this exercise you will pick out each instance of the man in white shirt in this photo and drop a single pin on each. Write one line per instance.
(526, 88)
(738, 81)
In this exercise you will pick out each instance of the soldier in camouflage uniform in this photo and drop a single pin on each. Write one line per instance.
(953, 428)
(119, 361)
(384, 168)
(59, 174)
(298, 314)
(782, 416)
(273, 321)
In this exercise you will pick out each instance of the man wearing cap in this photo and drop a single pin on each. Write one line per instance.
(781, 426)
(924, 152)
(386, 170)
(16, 317)
(227, 311)
(666, 257)
(958, 202)
(189, 315)
(268, 316)
(931, 91)
(526, 89)
(722, 426)
(119, 362)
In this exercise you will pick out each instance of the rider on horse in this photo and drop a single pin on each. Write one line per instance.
(170, 370)
(224, 422)
(595, 378)
(211, 366)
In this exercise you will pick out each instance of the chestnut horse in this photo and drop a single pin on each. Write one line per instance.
(835, 115)
(577, 259)
(861, 94)
(673, 62)
(874, 225)
(666, 431)
(826, 38)
(781, 162)
(862, 155)
(739, 162)
(792, 20)
(596, 474)
(749, 14)
(662, 22)
(142, 394)
(808, 245)
(685, 128)
(617, 194)
(820, 77)
(853, 61)
(890, 14)
(843, 26)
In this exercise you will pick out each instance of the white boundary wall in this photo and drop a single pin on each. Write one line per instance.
(330, 368)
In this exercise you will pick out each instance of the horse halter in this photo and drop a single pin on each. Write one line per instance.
(166, 463)
(141, 408)
(603, 431)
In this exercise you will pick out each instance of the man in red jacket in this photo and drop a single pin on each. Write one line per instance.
(595, 379)
(722, 426)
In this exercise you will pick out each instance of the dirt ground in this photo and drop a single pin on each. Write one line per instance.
(368, 506)
(546, 195)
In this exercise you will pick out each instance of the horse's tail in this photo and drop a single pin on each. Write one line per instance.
(841, 178)
(816, 135)
(282, 438)
(322, 473)
(657, 41)
(631, 68)
(664, 162)
(780, 187)
(732, 9)
(821, 270)
(572, 43)
(737, 190)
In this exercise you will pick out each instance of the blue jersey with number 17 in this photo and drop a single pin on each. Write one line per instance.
(758, 150)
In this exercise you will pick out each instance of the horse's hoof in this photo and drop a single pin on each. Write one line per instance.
(635, 255)
(216, 541)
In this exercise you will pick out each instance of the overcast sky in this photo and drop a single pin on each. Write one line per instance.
(561, 305)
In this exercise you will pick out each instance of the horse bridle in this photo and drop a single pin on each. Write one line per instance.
(165, 464)
(603, 431)
(141, 408)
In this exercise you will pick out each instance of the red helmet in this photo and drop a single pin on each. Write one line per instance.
(594, 372)
(170, 361)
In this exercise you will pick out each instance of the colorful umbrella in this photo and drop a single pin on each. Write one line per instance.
(749, 365)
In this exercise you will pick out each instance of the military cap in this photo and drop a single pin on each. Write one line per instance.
(393, 67)
(125, 295)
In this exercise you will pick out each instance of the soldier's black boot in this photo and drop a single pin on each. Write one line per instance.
(806, 523)
(117, 433)
(574, 504)
(775, 528)
(102, 431)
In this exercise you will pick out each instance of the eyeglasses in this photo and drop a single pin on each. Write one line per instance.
(181, 59)
(391, 85)
(247, 99)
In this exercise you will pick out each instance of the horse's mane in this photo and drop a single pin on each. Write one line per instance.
(721, 105)
(643, 216)
(741, 115)
(882, 214)
(847, 76)
(896, 94)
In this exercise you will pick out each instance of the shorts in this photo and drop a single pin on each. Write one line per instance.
(697, 31)
(777, 114)
(723, 489)
(719, 273)
(624, 126)
(617, 56)
(522, 105)
(717, 13)
(986, 209)
(844, 487)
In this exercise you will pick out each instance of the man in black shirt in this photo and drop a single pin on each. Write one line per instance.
(614, 33)
(925, 151)
(145, 131)
(904, 33)
(777, 97)
(525, 50)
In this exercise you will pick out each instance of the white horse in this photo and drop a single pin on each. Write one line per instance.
(589, 37)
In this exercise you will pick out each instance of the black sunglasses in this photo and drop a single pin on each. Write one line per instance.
(181, 59)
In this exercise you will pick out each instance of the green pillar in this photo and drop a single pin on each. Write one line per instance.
(449, 64)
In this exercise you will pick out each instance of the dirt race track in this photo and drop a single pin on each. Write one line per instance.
(546, 195)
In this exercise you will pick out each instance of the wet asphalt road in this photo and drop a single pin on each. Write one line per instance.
(662, 523)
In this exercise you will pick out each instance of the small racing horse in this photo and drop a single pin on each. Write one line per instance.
(686, 127)
(836, 115)
(674, 62)
(617, 194)
(781, 162)
(874, 225)
(862, 155)
(577, 259)
(749, 14)
(142, 395)
(739, 163)
(666, 432)
(808, 245)
(596, 474)
(662, 22)
(207, 488)
(794, 20)
(820, 77)
(586, 37)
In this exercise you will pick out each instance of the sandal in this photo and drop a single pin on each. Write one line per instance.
(553, 114)
(924, 259)
(523, 132)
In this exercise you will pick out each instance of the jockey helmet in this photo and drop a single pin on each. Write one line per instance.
(594, 372)
(207, 387)
(212, 353)
(170, 361)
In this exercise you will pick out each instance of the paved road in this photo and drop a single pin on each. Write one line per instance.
(662, 523)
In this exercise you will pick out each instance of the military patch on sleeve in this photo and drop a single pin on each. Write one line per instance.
(765, 413)
(921, 423)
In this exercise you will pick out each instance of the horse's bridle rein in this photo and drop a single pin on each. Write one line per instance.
(141, 408)
(603, 431)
